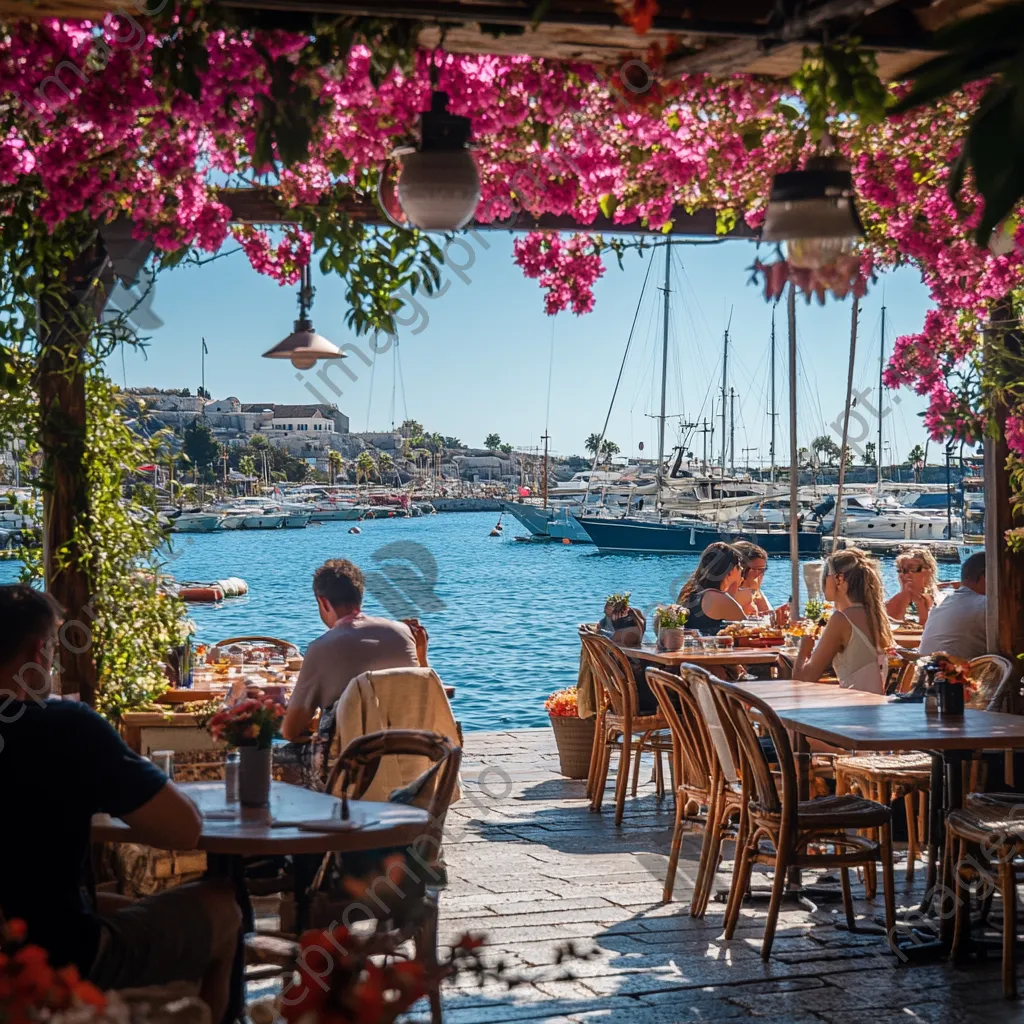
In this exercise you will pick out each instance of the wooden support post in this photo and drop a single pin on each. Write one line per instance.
(60, 385)
(1004, 571)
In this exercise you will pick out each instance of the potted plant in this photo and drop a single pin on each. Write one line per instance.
(574, 736)
(669, 623)
(250, 725)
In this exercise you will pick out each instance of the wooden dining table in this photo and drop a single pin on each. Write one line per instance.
(298, 821)
(860, 721)
(743, 656)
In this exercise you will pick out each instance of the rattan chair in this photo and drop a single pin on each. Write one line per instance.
(989, 834)
(588, 666)
(701, 785)
(888, 777)
(781, 830)
(622, 725)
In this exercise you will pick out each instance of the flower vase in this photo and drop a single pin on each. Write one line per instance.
(670, 638)
(254, 776)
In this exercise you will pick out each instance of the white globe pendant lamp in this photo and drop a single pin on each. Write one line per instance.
(304, 347)
(435, 186)
(815, 213)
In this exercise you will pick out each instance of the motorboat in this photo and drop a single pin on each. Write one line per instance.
(195, 522)
(865, 518)
(694, 488)
(232, 521)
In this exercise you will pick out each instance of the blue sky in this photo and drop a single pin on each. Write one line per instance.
(477, 359)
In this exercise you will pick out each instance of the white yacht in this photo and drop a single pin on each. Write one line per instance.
(195, 522)
(865, 517)
(695, 489)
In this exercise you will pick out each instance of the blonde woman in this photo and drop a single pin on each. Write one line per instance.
(918, 574)
(856, 639)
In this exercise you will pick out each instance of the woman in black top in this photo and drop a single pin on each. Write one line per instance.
(707, 594)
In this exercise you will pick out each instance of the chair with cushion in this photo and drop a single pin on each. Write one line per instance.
(623, 726)
(781, 830)
(703, 792)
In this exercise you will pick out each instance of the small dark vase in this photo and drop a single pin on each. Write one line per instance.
(951, 699)
(254, 776)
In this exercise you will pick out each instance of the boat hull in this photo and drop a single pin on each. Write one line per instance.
(231, 522)
(263, 522)
(634, 536)
(565, 526)
(196, 524)
(336, 515)
(537, 520)
(296, 521)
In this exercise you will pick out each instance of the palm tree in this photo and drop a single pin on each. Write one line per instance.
(366, 468)
(247, 467)
(592, 443)
(386, 464)
(335, 465)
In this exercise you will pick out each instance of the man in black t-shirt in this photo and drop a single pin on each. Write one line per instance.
(61, 763)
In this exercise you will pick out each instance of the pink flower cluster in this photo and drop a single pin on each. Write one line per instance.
(567, 269)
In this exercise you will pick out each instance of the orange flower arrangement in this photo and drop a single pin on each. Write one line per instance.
(562, 703)
(249, 723)
(336, 982)
(953, 670)
(30, 988)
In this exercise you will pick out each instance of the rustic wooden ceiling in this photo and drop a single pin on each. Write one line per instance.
(720, 36)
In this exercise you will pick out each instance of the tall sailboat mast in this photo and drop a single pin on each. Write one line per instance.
(725, 389)
(664, 355)
(773, 414)
(881, 370)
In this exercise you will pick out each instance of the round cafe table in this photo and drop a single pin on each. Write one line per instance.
(298, 821)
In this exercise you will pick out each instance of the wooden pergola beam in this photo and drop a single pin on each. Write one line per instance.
(260, 206)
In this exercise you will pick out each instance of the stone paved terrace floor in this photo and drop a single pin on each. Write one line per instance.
(532, 867)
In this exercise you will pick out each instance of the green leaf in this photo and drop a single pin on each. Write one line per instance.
(608, 204)
(666, 228)
(752, 138)
(725, 221)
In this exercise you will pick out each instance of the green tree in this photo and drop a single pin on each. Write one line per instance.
(492, 441)
(411, 428)
(915, 455)
(609, 449)
(453, 442)
(826, 449)
(386, 465)
(200, 447)
(870, 454)
(335, 465)
(592, 443)
(366, 468)
(247, 467)
(505, 449)
(259, 441)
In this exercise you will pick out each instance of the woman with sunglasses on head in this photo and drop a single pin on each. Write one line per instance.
(709, 594)
(754, 563)
(856, 639)
(918, 574)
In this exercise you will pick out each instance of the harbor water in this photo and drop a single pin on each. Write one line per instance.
(501, 615)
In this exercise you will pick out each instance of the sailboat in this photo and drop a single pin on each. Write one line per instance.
(692, 492)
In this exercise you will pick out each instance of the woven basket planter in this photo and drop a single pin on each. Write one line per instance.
(574, 738)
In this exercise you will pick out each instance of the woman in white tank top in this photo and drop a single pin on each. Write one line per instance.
(856, 639)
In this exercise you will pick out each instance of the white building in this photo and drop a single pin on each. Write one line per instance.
(301, 418)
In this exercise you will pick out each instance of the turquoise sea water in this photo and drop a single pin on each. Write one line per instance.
(501, 616)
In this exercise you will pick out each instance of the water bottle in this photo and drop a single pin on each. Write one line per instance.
(187, 663)
(231, 777)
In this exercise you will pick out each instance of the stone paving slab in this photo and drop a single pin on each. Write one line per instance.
(531, 868)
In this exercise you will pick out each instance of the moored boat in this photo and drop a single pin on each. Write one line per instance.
(196, 522)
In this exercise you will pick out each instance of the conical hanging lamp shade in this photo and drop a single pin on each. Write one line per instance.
(304, 347)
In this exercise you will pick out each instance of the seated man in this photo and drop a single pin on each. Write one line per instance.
(353, 644)
(957, 625)
(60, 764)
